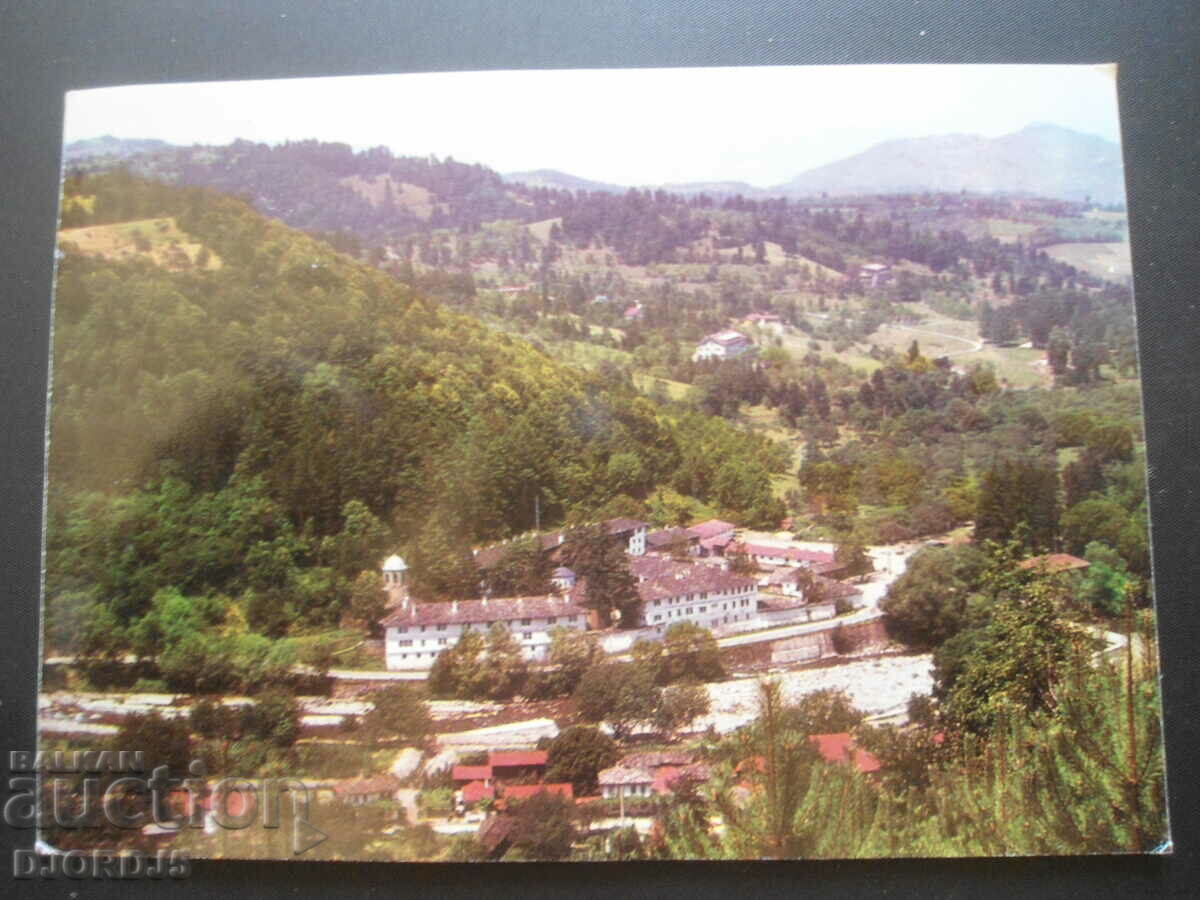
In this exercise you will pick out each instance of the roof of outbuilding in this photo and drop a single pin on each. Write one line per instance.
(517, 758)
(711, 528)
(475, 791)
(471, 773)
(652, 759)
(839, 748)
(523, 791)
(796, 554)
(618, 775)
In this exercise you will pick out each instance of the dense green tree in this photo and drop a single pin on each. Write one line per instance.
(931, 601)
(399, 712)
(679, 705)
(1018, 492)
(163, 742)
(600, 561)
(577, 755)
(543, 827)
(524, 569)
(274, 718)
(621, 694)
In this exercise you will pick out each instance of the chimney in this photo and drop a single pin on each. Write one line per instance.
(454, 607)
(485, 600)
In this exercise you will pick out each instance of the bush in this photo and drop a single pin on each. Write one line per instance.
(577, 755)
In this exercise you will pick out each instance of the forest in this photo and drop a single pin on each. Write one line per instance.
(236, 438)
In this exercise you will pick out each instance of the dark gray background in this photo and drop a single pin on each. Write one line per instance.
(51, 47)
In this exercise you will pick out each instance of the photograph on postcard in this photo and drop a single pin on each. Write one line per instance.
(716, 463)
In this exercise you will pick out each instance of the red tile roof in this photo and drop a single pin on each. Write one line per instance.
(796, 554)
(619, 775)
(660, 578)
(666, 776)
(475, 791)
(471, 773)
(654, 758)
(711, 528)
(727, 338)
(839, 748)
(668, 536)
(522, 791)
(505, 758)
(483, 612)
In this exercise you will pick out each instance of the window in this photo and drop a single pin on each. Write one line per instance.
(552, 620)
(525, 621)
(704, 609)
(442, 642)
(422, 628)
(658, 618)
(404, 644)
(402, 630)
(527, 635)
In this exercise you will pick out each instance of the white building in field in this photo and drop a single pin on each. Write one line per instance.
(703, 594)
(727, 344)
(415, 633)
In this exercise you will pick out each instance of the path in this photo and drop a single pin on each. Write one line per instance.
(975, 345)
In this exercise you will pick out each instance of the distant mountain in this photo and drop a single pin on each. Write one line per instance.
(551, 178)
(715, 188)
(110, 147)
(1041, 159)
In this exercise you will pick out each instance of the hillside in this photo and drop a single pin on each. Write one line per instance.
(110, 148)
(259, 433)
(551, 178)
(1041, 160)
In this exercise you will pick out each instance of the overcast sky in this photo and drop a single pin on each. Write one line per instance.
(627, 126)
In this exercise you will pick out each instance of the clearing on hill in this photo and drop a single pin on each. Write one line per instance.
(1110, 261)
(416, 199)
(159, 239)
(541, 230)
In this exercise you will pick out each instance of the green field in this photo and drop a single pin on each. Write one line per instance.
(1111, 261)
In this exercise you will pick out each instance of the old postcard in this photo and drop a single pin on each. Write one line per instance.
(598, 465)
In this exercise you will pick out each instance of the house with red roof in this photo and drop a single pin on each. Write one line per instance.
(713, 536)
(649, 774)
(727, 344)
(516, 792)
(767, 555)
(517, 764)
(466, 774)
(415, 633)
(840, 748)
(675, 591)
(472, 793)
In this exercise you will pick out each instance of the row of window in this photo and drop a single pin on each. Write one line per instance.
(442, 642)
(552, 620)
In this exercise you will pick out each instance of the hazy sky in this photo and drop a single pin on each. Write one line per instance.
(760, 125)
